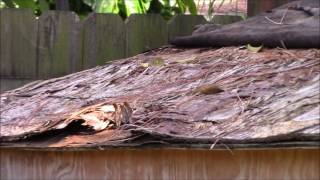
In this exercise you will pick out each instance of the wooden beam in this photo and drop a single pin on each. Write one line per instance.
(161, 164)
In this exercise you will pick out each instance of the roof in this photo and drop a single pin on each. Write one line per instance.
(169, 97)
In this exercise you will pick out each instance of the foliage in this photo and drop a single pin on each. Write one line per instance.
(40, 6)
(124, 8)
(37, 6)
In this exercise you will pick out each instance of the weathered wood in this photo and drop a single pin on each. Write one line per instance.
(260, 100)
(104, 39)
(257, 6)
(145, 32)
(182, 25)
(226, 19)
(18, 43)
(285, 164)
(57, 42)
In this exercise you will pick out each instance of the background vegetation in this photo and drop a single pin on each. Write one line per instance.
(122, 7)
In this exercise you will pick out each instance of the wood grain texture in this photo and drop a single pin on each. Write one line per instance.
(18, 29)
(104, 39)
(281, 164)
(145, 32)
(56, 43)
(183, 25)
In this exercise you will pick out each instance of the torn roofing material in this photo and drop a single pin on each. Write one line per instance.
(172, 97)
(293, 25)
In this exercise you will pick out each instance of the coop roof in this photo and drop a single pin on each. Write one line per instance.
(207, 98)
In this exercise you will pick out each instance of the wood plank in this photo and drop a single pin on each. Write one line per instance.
(104, 39)
(226, 19)
(142, 164)
(18, 30)
(145, 32)
(58, 41)
(182, 25)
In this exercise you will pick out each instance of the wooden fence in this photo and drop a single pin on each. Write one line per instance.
(58, 43)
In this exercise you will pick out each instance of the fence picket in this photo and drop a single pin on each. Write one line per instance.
(182, 25)
(103, 39)
(145, 32)
(56, 44)
(18, 29)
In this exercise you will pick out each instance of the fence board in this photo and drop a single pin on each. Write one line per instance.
(55, 43)
(226, 19)
(104, 39)
(143, 164)
(182, 25)
(145, 32)
(18, 43)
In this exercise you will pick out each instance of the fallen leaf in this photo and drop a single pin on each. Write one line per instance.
(145, 65)
(208, 89)
(254, 49)
(158, 61)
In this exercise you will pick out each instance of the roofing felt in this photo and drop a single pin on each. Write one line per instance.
(173, 97)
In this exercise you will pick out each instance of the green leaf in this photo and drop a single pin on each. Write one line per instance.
(90, 3)
(103, 6)
(191, 6)
(181, 6)
(2, 4)
(137, 6)
(254, 49)
(30, 4)
(107, 6)
(9, 3)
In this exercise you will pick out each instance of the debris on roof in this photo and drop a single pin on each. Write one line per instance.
(173, 97)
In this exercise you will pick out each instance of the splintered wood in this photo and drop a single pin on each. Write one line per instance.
(173, 97)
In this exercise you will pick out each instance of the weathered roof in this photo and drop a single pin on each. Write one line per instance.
(173, 97)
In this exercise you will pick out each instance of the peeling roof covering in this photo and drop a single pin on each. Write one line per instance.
(173, 97)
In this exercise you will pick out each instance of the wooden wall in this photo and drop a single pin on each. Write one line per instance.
(284, 164)
(58, 43)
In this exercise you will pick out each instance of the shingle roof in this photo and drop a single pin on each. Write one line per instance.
(173, 97)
